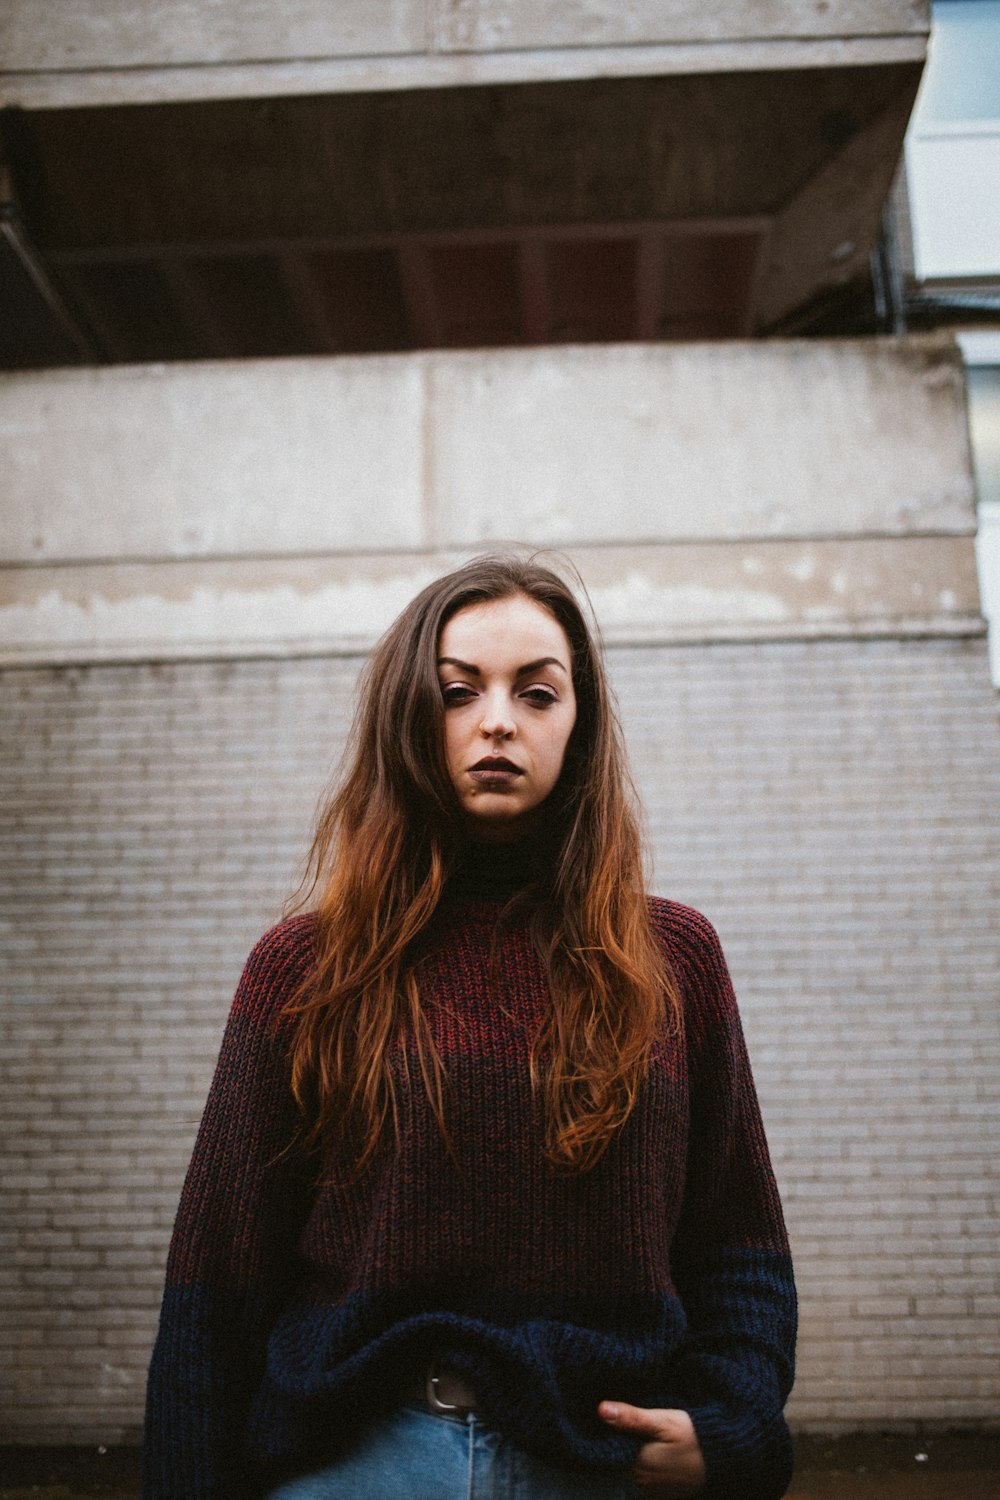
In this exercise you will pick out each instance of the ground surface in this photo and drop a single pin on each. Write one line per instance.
(948, 1467)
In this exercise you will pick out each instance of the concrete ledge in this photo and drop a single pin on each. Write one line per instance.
(49, 88)
(560, 446)
(132, 51)
(340, 604)
(132, 33)
(707, 492)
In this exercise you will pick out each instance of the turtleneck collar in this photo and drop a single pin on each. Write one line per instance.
(496, 872)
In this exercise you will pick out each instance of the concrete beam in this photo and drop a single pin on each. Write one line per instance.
(49, 89)
(722, 441)
(285, 507)
(560, 446)
(119, 51)
(488, 25)
(124, 33)
(654, 595)
(215, 459)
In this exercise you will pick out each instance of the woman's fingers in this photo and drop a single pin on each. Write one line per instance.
(631, 1418)
(670, 1463)
(656, 1422)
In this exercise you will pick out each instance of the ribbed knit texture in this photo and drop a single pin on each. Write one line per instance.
(662, 1277)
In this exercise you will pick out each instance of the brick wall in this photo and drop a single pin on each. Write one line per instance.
(831, 805)
(834, 809)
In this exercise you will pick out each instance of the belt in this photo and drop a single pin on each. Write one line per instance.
(443, 1391)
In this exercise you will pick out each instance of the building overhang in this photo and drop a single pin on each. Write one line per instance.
(485, 184)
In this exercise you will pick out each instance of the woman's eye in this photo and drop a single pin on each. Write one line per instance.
(541, 697)
(455, 693)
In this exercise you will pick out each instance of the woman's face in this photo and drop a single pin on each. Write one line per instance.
(506, 677)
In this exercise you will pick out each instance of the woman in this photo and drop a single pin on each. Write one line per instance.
(481, 1202)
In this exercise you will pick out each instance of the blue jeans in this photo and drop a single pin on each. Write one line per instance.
(419, 1455)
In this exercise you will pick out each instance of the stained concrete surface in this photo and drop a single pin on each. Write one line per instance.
(957, 1466)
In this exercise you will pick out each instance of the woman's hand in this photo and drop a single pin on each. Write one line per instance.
(670, 1464)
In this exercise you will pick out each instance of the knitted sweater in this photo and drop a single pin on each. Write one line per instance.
(661, 1277)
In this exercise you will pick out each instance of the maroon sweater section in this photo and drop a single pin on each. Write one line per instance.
(660, 1276)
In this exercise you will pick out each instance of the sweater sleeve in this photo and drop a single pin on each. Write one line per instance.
(240, 1213)
(730, 1255)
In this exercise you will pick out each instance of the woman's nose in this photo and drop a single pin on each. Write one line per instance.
(497, 722)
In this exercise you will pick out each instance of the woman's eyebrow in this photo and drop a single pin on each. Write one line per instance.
(463, 666)
(531, 666)
(543, 661)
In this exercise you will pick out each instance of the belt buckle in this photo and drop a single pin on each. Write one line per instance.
(434, 1401)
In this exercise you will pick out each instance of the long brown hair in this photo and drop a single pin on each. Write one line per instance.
(385, 843)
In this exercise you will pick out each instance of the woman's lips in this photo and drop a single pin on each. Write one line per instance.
(495, 771)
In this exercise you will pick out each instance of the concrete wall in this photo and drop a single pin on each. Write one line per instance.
(709, 491)
(821, 774)
(118, 51)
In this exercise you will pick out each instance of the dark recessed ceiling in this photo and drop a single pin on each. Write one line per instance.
(649, 208)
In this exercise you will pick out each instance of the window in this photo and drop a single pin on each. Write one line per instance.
(953, 146)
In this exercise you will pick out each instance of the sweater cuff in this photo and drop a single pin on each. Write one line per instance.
(745, 1454)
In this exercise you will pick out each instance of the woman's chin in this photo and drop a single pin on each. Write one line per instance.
(502, 825)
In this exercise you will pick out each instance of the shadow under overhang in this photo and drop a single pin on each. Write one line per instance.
(649, 208)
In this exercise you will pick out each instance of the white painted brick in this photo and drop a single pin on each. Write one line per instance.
(816, 800)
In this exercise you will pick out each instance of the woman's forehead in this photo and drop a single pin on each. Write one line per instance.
(515, 627)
